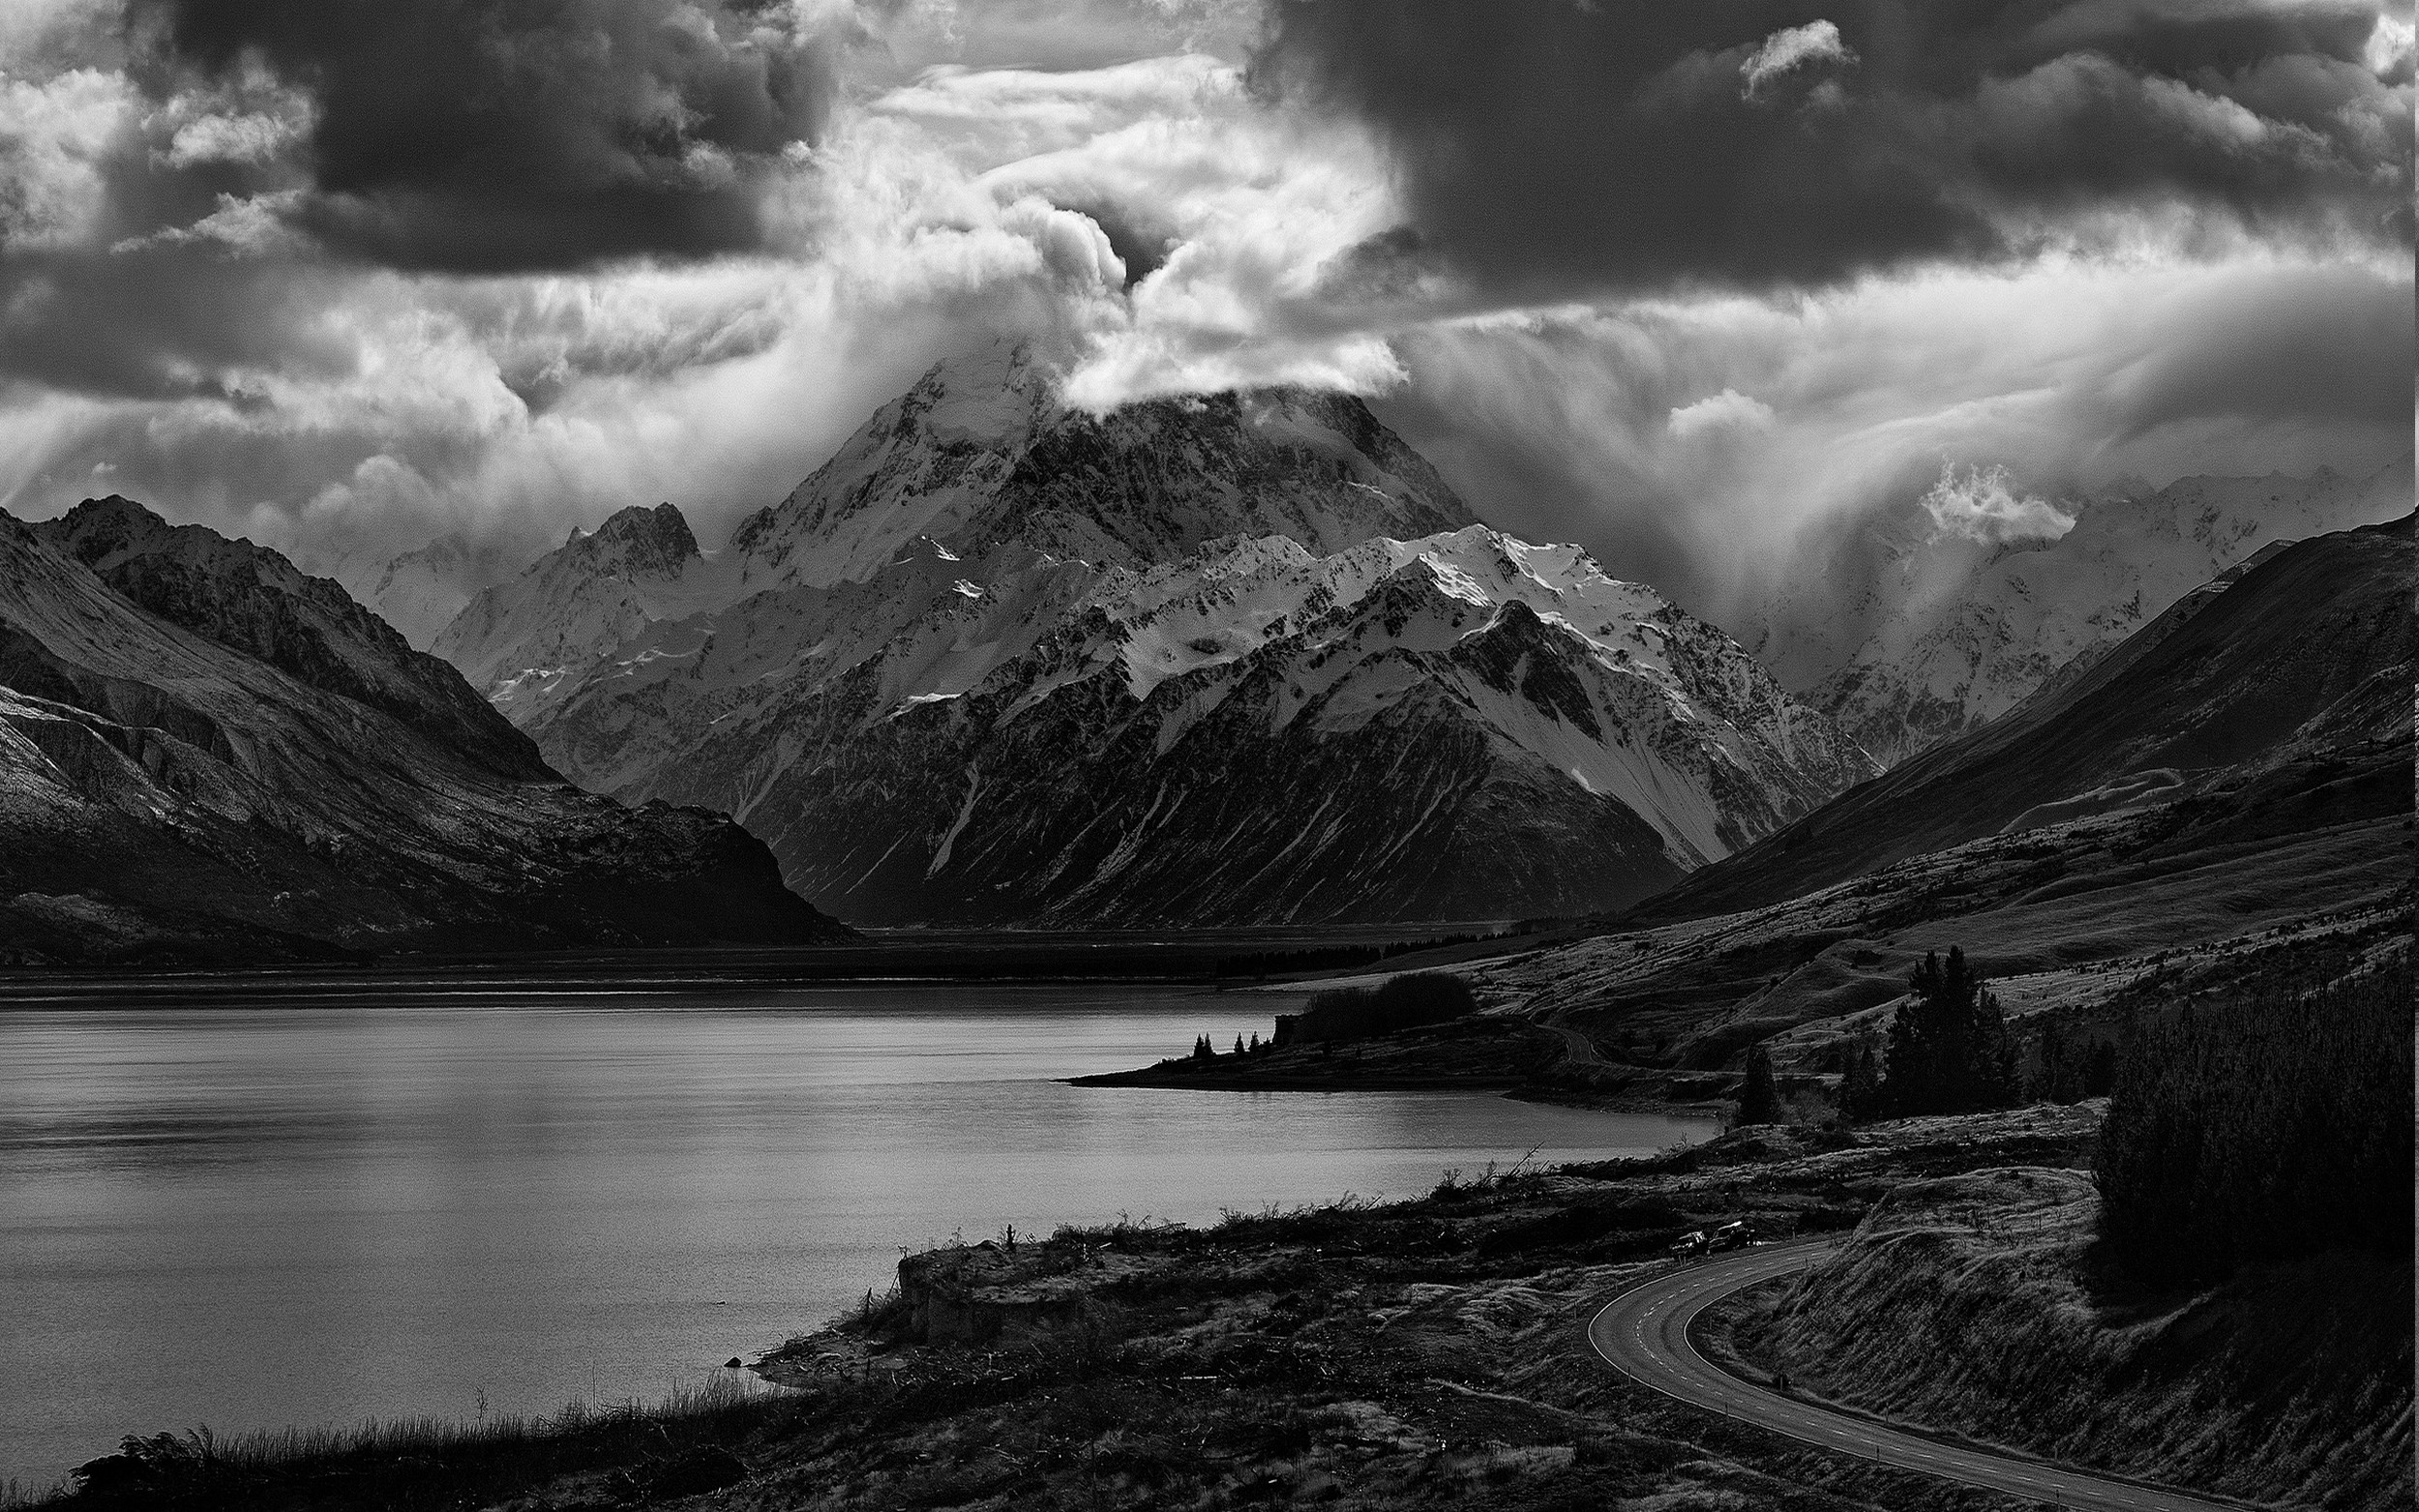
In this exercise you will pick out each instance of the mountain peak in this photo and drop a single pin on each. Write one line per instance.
(980, 456)
(97, 530)
(650, 540)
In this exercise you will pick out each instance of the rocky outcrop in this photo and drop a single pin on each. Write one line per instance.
(972, 1295)
(205, 755)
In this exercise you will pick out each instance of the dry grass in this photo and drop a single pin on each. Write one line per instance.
(1976, 1303)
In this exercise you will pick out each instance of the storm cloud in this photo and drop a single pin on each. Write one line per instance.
(501, 136)
(1552, 149)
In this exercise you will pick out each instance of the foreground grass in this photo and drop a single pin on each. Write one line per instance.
(633, 1452)
(1981, 1303)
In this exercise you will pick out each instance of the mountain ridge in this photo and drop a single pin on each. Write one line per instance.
(257, 768)
(1937, 634)
(2298, 658)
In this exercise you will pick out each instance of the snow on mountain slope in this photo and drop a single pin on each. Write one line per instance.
(1459, 726)
(1941, 633)
(979, 452)
(520, 642)
(420, 591)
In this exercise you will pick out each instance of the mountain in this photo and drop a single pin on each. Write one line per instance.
(420, 591)
(2304, 660)
(207, 756)
(1937, 633)
(980, 455)
(522, 641)
(1232, 660)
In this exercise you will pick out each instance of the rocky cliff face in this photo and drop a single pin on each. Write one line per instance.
(1237, 660)
(205, 755)
(1939, 633)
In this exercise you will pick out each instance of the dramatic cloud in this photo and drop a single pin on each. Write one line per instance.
(1552, 150)
(498, 135)
(1816, 41)
(1696, 285)
(1980, 505)
(1631, 430)
(1727, 410)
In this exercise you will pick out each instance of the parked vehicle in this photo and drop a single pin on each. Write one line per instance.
(1690, 1243)
(1731, 1236)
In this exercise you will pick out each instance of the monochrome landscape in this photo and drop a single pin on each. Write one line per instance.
(1207, 752)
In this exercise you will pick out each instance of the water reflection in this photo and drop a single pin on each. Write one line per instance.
(252, 1217)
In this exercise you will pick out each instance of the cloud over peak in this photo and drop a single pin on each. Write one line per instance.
(1982, 505)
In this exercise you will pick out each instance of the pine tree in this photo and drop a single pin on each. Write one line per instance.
(1949, 1048)
(1238, 1044)
(1860, 1088)
(1759, 1095)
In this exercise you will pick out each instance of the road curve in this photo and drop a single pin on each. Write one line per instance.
(1643, 1333)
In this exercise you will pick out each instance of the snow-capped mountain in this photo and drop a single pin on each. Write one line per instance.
(1230, 660)
(1460, 726)
(421, 591)
(524, 641)
(1938, 632)
(979, 454)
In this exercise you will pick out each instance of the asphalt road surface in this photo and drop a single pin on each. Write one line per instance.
(1644, 1334)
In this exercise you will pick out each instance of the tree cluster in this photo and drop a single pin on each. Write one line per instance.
(2072, 1067)
(1949, 1050)
(2263, 1129)
(1404, 1003)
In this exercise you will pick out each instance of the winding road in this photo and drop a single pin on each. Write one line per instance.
(1643, 1333)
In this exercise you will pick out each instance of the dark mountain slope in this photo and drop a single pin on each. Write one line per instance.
(256, 769)
(309, 626)
(2307, 652)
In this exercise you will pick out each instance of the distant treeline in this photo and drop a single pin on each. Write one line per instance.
(1332, 957)
(2260, 1130)
(1358, 1012)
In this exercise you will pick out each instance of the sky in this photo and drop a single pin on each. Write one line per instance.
(1687, 283)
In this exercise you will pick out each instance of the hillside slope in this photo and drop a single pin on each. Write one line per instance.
(1935, 633)
(206, 755)
(1975, 1303)
(2308, 650)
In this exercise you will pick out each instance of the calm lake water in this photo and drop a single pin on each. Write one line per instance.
(416, 1203)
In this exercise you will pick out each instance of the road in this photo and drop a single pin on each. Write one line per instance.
(1577, 1048)
(1643, 1333)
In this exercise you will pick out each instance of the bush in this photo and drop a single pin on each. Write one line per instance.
(2260, 1130)
(1404, 1003)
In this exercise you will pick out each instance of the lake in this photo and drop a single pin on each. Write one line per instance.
(454, 1198)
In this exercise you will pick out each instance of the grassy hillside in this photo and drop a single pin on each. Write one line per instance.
(1976, 1303)
(2310, 650)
